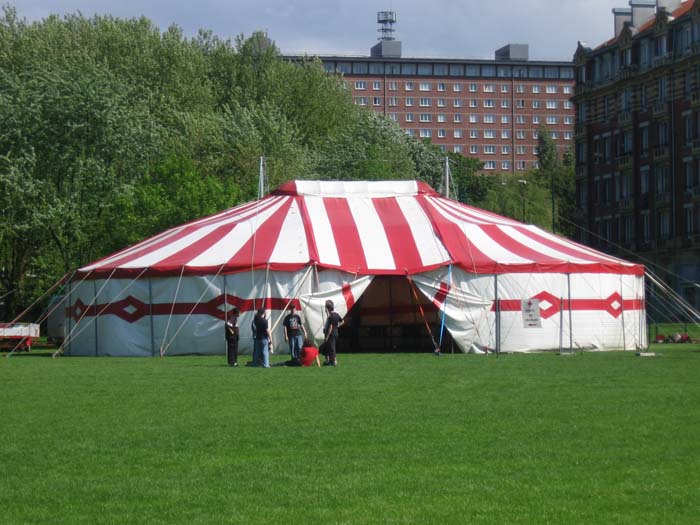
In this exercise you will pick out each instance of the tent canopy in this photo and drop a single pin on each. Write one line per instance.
(364, 228)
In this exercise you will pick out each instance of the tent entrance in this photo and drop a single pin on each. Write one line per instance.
(387, 318)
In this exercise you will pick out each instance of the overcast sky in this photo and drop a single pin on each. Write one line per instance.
(427, 28)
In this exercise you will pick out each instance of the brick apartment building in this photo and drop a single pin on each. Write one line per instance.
(638, 139)
(490, 109)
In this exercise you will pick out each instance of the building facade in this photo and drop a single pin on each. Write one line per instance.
(489, 109)
(637, 140)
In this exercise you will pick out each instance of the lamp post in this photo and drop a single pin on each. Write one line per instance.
(522, 183)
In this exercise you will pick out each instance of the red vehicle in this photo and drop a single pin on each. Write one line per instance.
(18, 336)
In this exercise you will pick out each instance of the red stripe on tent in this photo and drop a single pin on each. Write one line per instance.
(349, 297)
(566, 248)
(258, 249)
(613, 304)
(441, 295)
(190, 252)
(398, 233)
(347, 239)
(306, 219)
(131, 309)
(521, 250)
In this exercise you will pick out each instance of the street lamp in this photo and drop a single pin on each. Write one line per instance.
(522, 183)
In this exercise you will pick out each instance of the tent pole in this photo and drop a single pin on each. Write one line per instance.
(561, 324)
(150, 314)
(225, 290)
(571, 332)
(94, 291)
(498, 314)
(622, 316)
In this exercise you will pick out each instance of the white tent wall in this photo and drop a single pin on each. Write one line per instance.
(134, 316)
(598, 319)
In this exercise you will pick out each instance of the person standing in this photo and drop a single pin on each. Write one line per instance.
(330, 330)
(293, 330)
(261, 339)
(232, 336)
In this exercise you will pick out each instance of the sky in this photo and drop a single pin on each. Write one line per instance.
(426, 28)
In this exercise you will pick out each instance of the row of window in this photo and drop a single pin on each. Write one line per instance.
(457, 88)
(486, 134)
(448, 70)
(488, 103)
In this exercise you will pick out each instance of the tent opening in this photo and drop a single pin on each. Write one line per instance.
(387, 318)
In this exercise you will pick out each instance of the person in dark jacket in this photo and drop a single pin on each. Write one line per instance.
(330, 330)
(261, 339)
(232, 336)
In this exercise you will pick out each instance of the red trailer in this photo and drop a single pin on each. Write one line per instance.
(18, 336)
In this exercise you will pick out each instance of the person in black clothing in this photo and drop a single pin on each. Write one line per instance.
(262, 344)
(330, 330)
(294, 333)
(231, 328)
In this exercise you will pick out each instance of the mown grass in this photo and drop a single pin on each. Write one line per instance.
(595, 437)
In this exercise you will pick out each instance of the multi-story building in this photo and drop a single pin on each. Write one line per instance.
(638, 139)
(490, 109)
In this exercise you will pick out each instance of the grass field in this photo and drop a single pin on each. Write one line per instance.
(597, 437)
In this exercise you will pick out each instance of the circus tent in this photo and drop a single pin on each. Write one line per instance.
(394, 256)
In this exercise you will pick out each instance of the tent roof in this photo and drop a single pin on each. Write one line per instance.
(377, 227)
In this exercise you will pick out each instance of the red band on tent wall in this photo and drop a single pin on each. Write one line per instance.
(614, 304)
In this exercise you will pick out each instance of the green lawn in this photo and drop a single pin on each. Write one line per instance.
(595, 437)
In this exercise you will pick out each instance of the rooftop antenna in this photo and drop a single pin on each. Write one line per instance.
(387, 19)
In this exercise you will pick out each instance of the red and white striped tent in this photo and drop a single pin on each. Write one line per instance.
(410, 257)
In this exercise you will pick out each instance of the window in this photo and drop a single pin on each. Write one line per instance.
(520, 134)
(536, 134)
(567, 135)
(566, 90)
(457, 149)
(425, 117)
(489, 103)
(520, 119)
(457, 134)
(505, 88)
(551, 120)
(490, 150)
(393, 85)
(408, 102)
(473, 103)
(457, 88)
(535, 104)
(472, 88)
(441, 133)
(425, 133)
(408, 86)
(473, 119)
(457, 118)
(536, 150)
(568, 105)
(457, 103)
(425, 102)
(394, 117)
(473, 133)
(441, 117)
(554, 135)
(409, 117)
(520, 104)
(489, 134)
(489, 88)
(361, 101)
(535, 89)
(410, 132)
(376, 101)
(360, 84)
(505, 103)
(441, 86)
(568, 120)
(520, 165)
(535, 119)
(424, 86)
(551, 89)
(441, 102)
(520, 88)
(505, 150)
(376, 85)
(505, 119)
(473, 149)
(552, 104)
(520, 150)
(505, 133)
(505, 165)
(490, 165)
(393, 101)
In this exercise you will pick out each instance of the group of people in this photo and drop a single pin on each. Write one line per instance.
(301, 349)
